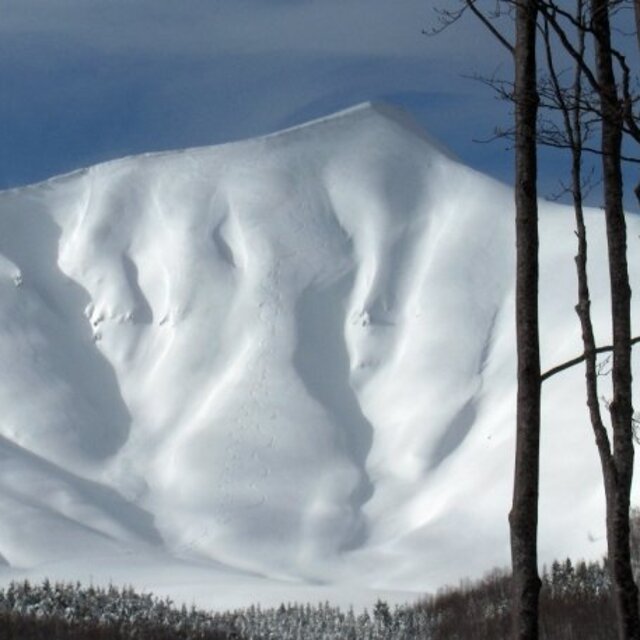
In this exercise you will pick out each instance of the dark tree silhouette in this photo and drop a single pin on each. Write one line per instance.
(599, 100)
(523, 518)
(603, 101)
(618, 472)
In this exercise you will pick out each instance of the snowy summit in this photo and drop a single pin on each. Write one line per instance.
(282, 368)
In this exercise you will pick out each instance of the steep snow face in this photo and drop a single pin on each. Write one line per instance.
(291, 357)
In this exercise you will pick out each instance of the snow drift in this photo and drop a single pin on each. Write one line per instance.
(287, 361)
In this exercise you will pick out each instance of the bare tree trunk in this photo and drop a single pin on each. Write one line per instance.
(523, 518)
(618, 484)
(636, 8)
(573, 126)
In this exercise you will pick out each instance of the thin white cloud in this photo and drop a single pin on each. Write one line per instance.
(332, 27)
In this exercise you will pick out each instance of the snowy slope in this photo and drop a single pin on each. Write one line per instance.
(245, 369)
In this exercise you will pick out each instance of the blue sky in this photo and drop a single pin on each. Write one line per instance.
(90, 80)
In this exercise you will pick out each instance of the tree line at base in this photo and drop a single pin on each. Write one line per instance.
(575, 602)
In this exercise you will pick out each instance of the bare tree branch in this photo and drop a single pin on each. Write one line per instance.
(489, 25)
(636, 7)
(571, 363)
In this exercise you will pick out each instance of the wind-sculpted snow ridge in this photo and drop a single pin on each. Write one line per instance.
(246, 370)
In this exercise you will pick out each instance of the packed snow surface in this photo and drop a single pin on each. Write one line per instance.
(283, 369)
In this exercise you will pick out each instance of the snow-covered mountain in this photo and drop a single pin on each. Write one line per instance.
(259, 367)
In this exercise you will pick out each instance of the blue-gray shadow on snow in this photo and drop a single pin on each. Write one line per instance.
(104, 499)
(455, 434)
(321, 360)
(96, 419)
(461, 424)
(143, 313)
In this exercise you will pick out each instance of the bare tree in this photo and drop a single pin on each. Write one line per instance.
(636, 8)
(605, 105)
(617, 476)
(609, 106)
(523, 518)
(616, 462)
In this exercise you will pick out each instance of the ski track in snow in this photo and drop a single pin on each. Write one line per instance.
(282, 369)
